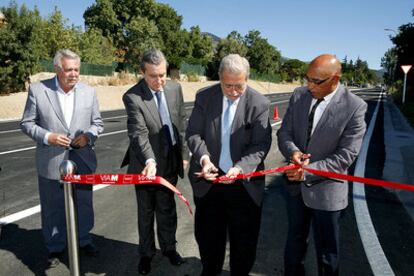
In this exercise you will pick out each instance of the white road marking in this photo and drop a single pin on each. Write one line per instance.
(34, 210)
(373, 250)
(30, 148)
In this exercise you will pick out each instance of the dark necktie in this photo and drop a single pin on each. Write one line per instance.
(310, 119)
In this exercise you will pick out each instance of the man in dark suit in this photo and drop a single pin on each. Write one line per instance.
(323, 129)
(228, 133)
(62, 113)
(156, 125)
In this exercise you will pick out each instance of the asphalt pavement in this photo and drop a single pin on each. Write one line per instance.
(22, 251)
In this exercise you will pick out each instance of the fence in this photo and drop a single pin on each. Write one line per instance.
(86, 68)
(265, 77)
(186, 68)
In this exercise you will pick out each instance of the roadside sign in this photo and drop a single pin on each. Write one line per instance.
(406, 68)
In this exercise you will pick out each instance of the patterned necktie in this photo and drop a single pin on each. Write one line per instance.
(310, 121)
(225, 162)
(165, 118)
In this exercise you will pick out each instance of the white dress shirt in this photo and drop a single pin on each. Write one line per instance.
(320, 109)
(67, 103)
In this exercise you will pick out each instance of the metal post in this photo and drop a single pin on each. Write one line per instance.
(405, 84)
(68, 167)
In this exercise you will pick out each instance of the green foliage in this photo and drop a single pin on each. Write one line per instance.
(357, 73)
(192, 77)
(95, 48)
(142, 34)
(275, 77)
(294, 69)
(202, 46)
(262, 56)
(161, 27)
(19, 47)
(232, 44)
(58, 35)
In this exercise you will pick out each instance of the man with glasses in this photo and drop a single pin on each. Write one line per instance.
(322, 129)
(228, 133)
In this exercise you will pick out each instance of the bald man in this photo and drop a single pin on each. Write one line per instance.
(322, 129)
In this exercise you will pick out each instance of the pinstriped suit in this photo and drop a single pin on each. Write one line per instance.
(148, 141)
(43, 114)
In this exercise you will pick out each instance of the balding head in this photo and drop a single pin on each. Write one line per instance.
(323, 75)
(326, 64)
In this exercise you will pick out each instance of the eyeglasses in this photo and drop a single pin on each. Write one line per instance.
(238, 87)
(316, 81)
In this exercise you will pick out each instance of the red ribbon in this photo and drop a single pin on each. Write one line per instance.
(364, 180)
(124, 179)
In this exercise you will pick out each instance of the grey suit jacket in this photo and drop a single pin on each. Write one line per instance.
(43, 114)
(334, 145)
(144, 126)
(249, 142)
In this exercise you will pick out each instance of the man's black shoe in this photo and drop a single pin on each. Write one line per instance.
(90, 250)
(144, 266)
(53, 259)
(174, 257)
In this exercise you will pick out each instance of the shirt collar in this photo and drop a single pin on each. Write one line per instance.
(329, 97)
(60, 90)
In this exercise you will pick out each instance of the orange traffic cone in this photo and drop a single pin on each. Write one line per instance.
(276, 114)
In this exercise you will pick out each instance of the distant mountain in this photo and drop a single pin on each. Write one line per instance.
(215, 38)
(379, 73)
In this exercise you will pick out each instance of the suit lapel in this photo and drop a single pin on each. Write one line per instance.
(329, 111)
(149, 101)
(170, 98)
(51, 94)
(76, 104)
(217, 112)
(238, 119)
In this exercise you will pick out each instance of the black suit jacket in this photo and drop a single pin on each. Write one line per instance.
(250, 138)
(145, 131)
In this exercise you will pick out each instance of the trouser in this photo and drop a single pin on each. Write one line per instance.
(227, 209)
(156, 201)
(52, 204)
(326, 235)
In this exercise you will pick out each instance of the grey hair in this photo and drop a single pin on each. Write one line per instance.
(64, 53)
(234, 64)
(152, 56)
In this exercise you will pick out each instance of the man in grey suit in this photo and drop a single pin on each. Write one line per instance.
(322, 129)
(62, 117)
(156, 125)
(228, 133)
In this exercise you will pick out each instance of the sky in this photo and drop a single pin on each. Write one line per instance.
(298, 28)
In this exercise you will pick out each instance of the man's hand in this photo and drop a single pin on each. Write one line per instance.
(232, 173)
(208, 171)
(185, 164)
(301, 159)
(59, 140)
(80, 141)
(150, 169)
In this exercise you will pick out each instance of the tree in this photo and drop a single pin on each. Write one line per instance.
(232, 44)
(389, 63)
(294, 69)
(95, 48)
(58, 35)
(201, 46)
(262, 56)
(142, 34)
(19, 47)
